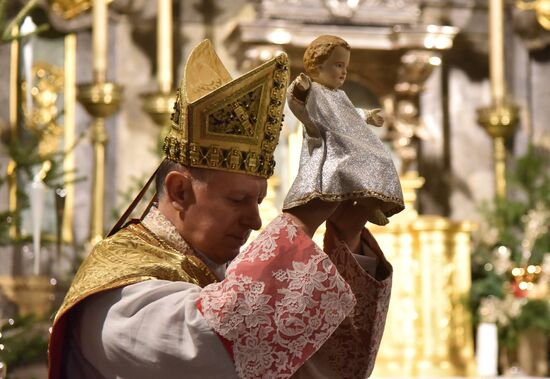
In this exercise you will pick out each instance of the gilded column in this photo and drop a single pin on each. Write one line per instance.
(69, 137)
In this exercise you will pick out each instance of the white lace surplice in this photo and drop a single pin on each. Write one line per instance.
(284, 303)
(283, 298)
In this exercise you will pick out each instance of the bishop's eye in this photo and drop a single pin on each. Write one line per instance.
(237, 199)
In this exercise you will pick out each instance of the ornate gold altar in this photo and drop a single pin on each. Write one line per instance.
(428, 330)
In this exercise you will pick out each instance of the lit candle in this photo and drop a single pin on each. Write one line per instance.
(99, 39)
(37, 208)
(496, 54)
(28, 27)
(164, 45)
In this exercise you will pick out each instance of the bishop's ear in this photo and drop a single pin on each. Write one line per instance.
(178, 189)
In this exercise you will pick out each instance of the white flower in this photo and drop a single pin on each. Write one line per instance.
(501, 261)
(306, 277)
(290, 325)
(257, 354)
(296, 345)
(294, 301)
(335, 307)
(292, 231)
(536, 224)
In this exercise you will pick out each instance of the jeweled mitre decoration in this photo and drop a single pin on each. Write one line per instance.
(226, 124)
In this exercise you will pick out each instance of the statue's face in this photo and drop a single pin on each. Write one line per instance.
(222, 214)
(332, 72)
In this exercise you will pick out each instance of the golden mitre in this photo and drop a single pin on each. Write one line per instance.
(227, 124)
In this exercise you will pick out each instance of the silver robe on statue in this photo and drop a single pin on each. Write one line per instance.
(347, 160)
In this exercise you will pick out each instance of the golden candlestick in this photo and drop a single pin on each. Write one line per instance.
(500, 123)
(33, 295)
(500, 119)
(100, 100)
(159, 106)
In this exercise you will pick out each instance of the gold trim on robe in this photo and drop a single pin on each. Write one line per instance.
(133, 255)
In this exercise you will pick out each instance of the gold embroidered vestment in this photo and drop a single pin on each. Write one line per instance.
(132, 255)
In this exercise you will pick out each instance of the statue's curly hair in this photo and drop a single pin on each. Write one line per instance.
(320, 49)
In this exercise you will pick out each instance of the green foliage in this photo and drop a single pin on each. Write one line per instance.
(23, 151)
(6, 26)
(534, 314)
(505, 223)
(129, 194)
(7, 220)
(490, 285)
(24, 341)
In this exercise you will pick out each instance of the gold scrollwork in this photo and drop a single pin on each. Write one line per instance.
(46, 85)
(237, 117)
(541, 8)
(69, 9)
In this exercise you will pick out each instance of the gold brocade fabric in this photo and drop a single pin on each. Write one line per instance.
(227, 124)
(133, 255)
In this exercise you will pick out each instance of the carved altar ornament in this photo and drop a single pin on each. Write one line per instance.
(532, 23)
(428, 331)
(405, 127)
(259, 54)
(46, 85)
(69, 9)
(541, 8)
(342, 8)
(387, 12)
(74, 15)
(416, 67)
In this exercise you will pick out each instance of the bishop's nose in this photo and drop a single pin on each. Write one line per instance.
(252, 218)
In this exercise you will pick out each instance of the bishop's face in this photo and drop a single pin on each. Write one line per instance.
(223, 212)
(332, 72)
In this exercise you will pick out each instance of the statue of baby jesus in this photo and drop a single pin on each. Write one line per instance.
(342, 159)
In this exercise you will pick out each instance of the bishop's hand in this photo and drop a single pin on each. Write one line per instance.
(311, 215)
(348, 221)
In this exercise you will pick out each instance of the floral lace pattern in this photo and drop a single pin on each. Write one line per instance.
(281, 300)
(351, 350)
